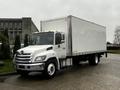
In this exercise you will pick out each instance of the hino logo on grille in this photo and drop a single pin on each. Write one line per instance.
(22, 52)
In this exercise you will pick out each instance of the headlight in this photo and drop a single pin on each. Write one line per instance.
(40, 58)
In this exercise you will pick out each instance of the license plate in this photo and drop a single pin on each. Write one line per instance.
(21, 66)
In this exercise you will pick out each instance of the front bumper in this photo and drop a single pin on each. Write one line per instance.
(30, 67)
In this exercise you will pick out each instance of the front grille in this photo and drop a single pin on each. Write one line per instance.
(23, 58)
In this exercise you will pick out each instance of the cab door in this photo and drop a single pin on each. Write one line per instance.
(60, 45)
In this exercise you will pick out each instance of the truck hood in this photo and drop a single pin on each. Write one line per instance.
(34, 48)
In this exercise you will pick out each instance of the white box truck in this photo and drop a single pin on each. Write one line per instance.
(60, 43)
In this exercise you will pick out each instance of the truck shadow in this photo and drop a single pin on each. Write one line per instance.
(69, 73)
(71, 69)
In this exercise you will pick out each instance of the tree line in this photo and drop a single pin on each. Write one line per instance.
(5, 51)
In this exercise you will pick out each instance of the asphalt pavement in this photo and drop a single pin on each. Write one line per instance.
(105, 76)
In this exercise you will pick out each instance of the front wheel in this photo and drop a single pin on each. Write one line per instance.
(50, 70)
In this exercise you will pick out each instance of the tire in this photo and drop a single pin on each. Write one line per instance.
(50, 69)
(94, 60)
(23, 73)
(75, 61)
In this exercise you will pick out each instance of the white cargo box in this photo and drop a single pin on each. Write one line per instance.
(82, 37)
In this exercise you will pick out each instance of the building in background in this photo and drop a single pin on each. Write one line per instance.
(17, 26)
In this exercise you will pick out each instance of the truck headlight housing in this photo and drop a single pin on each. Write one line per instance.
(40, 58)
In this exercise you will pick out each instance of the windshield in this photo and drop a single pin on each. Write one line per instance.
(43, 38)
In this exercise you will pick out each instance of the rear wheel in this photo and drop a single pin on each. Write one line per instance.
(75, 61)
(94, 60)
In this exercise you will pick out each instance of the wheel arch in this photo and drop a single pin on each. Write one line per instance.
(55, 60)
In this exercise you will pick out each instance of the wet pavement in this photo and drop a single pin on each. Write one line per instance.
(105, 76)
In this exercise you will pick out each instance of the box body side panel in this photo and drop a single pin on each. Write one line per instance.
(87, 36)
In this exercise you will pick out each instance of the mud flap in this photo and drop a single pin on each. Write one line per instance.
(106, 54)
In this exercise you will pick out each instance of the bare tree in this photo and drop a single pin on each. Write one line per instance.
(117, 36)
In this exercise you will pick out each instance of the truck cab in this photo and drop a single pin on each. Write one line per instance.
(43, 54)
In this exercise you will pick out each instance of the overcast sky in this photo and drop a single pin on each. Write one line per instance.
(104, 12)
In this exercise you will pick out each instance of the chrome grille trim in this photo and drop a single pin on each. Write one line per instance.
(23, 58)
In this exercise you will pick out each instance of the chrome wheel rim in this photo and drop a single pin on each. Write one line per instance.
(96, 59)
(51, 69)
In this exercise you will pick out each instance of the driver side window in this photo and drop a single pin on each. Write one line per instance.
(58, 38)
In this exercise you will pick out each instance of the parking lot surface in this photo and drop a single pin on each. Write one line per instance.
(105, 76)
